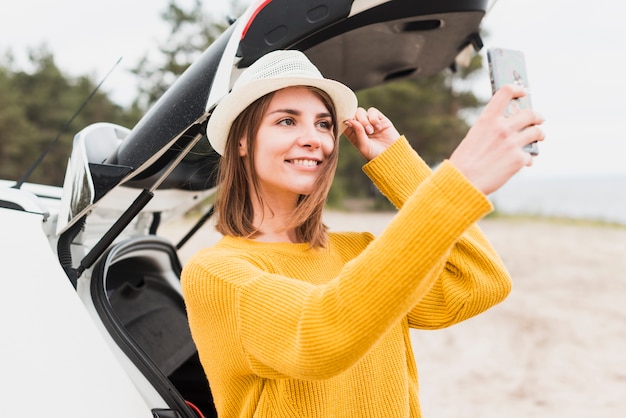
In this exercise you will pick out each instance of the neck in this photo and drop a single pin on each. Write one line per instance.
(270, 220)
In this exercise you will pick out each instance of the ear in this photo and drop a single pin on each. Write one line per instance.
(243, 147)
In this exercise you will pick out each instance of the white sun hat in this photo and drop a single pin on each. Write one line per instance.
(274, 71)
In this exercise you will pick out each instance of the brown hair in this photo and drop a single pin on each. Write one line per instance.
(236, 175)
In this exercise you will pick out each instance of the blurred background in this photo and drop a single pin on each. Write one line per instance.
(556, 346)
(53, 54)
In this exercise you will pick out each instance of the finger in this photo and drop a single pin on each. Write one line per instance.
(530, 158)
(372, 119)
(360, 113)
(361, 116)
(357, 119)
(501, 99)
(375, 118)
(354, 131)
(530, 135)
(525, 118)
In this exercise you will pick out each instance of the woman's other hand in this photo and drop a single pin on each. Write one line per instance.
(492, 151)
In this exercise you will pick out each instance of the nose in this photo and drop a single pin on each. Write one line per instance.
(310, 137)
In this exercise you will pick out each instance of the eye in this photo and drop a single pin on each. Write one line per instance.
(325, 124)
(287, 122)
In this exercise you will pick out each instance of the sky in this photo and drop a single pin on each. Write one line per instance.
(573, 50)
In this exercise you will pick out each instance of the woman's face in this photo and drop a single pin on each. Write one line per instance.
(294, 140)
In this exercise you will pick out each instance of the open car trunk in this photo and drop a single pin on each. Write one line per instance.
(389, 41)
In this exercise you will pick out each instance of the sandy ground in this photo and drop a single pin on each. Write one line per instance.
(555, 348)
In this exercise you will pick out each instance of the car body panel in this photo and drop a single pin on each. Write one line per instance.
(54, 361)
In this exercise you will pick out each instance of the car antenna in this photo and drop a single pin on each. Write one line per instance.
(45, 152)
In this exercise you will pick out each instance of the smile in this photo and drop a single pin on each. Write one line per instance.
(305, 163)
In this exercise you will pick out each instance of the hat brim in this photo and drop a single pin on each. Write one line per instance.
(237, 101)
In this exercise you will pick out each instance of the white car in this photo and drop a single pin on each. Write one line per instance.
(93, 323)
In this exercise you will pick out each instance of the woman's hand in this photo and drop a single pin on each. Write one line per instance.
(491, 152)
(370, 132)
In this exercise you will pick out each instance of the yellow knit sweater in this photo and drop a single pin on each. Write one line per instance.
(287, 331)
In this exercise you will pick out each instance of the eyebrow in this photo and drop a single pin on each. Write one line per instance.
(298, 113)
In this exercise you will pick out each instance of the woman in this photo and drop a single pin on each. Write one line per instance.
(293, 321)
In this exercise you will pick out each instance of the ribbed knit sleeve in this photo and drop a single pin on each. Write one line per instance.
(474, 277)
(473, 280)
(314, 332)
(398, 171)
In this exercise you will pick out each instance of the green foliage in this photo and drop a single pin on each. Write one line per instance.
(35, 107)
(36, 104)
(191, 32)
(425, 110)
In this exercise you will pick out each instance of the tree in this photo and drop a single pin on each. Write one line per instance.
(191, 32)
(37, 104)
(14, 125)
(35, 107)
(425, 110)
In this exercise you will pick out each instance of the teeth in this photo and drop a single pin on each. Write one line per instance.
(305, 163)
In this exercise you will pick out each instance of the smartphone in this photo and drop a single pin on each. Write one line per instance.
(508, 66)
